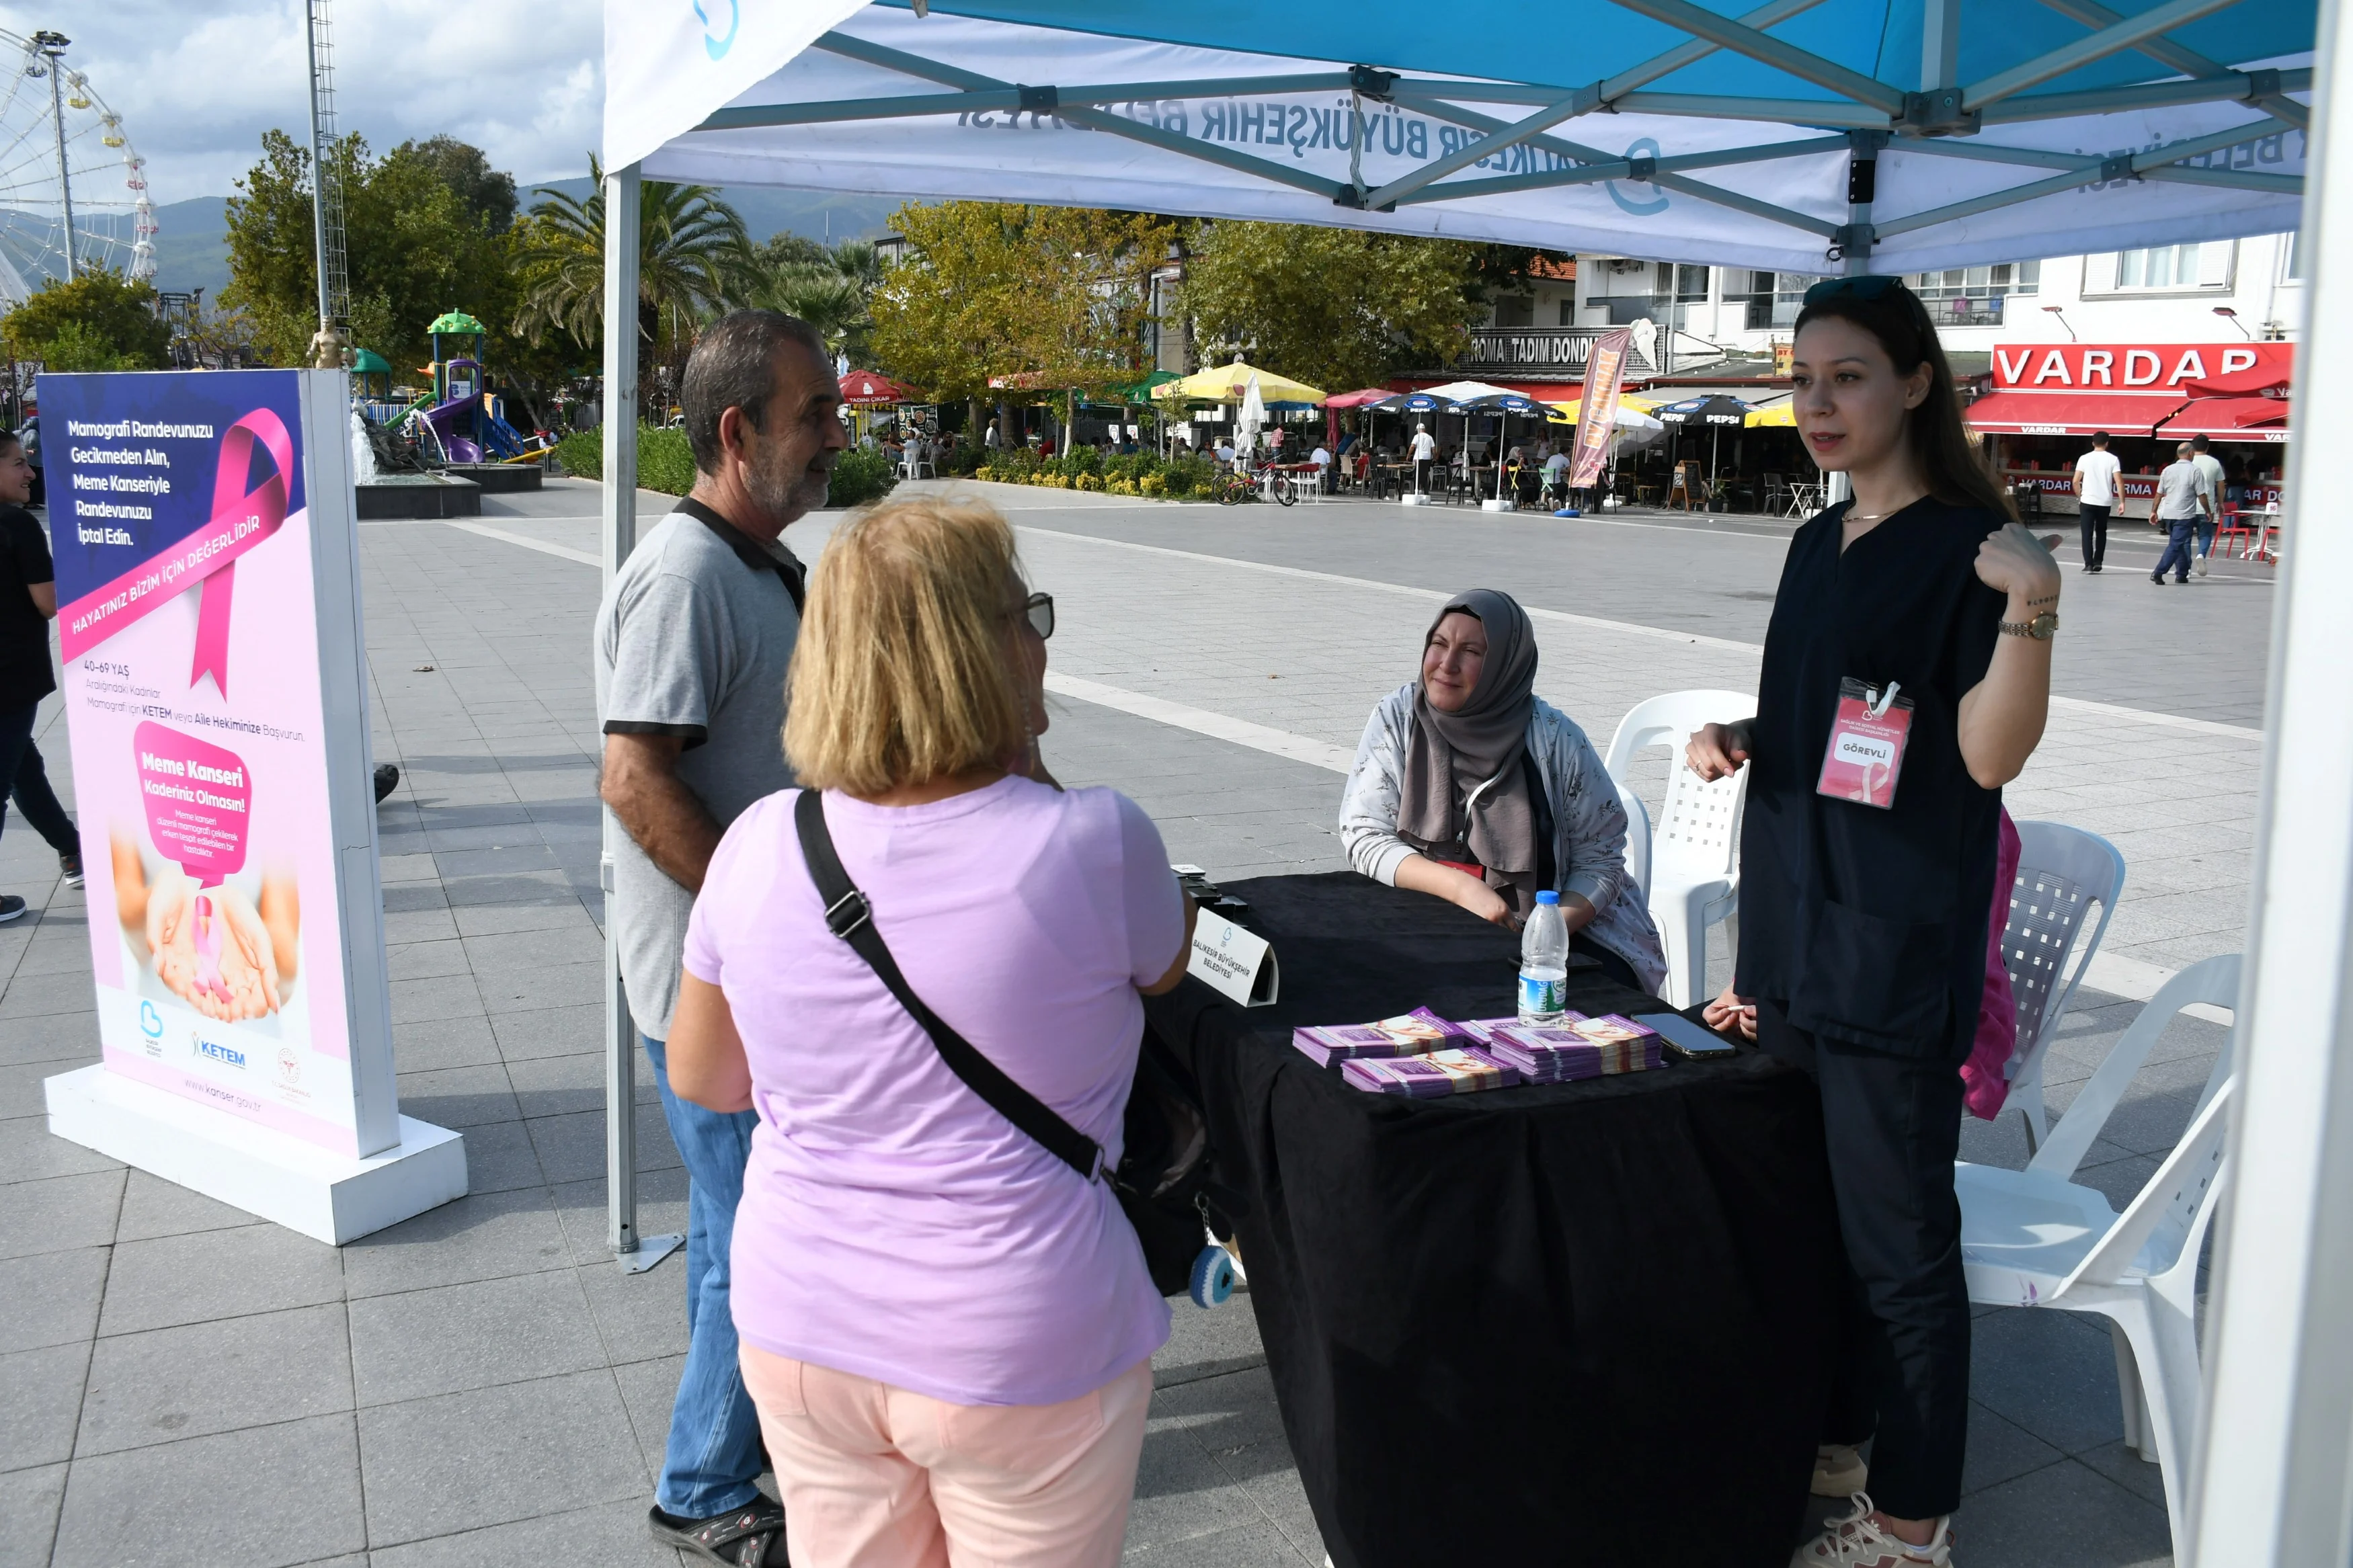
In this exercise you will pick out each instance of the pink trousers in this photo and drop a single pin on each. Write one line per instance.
(877, 1476)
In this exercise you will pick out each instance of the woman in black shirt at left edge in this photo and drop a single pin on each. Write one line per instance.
(1864, 896)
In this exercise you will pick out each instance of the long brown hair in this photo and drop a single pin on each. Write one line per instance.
(1949, 461)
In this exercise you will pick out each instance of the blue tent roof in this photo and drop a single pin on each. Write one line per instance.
(1807, 136)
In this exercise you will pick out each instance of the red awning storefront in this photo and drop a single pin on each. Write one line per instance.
(2254, 419)
(2070, 413)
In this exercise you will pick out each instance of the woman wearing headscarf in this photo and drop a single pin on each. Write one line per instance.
(1470, 786)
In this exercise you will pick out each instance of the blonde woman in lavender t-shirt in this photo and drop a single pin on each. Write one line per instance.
(947, 1330)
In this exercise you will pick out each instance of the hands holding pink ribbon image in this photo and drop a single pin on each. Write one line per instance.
(217, 949)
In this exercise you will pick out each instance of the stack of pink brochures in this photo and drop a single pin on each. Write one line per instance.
(1573, 1047)
(1429, 1076)
(1406, 1034)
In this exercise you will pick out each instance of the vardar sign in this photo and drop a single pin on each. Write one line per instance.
(2128, 367)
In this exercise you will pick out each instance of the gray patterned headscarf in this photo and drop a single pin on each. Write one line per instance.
(1464, 786)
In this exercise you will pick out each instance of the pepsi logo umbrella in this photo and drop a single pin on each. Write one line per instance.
(1718, 410)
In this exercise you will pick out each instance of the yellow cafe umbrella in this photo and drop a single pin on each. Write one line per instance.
(1568, 412)
(1227, 383)
(1780, 415)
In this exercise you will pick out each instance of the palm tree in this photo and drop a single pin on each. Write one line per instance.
(833, 303)
(692, 254)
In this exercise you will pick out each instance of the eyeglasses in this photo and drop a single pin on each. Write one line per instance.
(1864, 285)
(1037, 609)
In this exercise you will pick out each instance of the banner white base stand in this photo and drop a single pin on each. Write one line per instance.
(1499, 505)
(328, 1197)
(1416, 498)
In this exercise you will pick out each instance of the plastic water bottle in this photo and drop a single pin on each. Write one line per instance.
(1544, 962)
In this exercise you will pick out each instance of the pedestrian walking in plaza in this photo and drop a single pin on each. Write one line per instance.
(29, 602)
(2096, 474)
(1424, 451)
(1920, 603)
(948, 1327)
(2210, 472)
(693, 642)
(2181, 505)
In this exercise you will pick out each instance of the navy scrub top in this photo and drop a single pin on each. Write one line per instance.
(1867, 926)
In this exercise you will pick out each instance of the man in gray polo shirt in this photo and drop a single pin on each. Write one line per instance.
(693, 642)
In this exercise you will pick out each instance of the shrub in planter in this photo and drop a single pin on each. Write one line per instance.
(1151, 485)
(860, 476)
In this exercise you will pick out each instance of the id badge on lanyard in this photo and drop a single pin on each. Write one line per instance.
(1866, 756)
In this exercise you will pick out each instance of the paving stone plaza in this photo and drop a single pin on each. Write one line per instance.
(483, 1385)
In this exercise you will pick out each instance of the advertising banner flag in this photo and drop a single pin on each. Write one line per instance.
(209, 621)
(1597, 420)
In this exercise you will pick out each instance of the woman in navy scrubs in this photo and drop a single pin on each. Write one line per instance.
(1920, 605)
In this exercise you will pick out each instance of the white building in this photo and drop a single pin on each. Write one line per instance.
(2220, 291)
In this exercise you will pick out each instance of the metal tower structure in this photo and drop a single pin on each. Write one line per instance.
(53, 46)
(327, 207)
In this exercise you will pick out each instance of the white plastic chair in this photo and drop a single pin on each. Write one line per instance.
(2214, 981)
(2061, 869)
(1638, 838)
(2033, 1239)
(1694, 872)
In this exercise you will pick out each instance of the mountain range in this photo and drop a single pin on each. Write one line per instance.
(192, 238)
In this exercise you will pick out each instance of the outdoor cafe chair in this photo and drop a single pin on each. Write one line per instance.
(2037, 1238)
(1638, 837)
(2028, 1239)
(1693, 875)
(1776, 491)
(2061, 872)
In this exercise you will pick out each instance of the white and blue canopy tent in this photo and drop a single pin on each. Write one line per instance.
(1806, 136)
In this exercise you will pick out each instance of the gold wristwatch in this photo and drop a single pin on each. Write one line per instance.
(2042, 628)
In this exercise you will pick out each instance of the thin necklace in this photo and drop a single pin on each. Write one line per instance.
(1880, 516)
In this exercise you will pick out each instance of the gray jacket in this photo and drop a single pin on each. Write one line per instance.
(1590, 846)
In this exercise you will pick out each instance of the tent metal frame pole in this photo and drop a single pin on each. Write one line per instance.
(2113, 40)
(1765, 49)
(1823, 112)
(1804, 222)
(2180, 56)
(2041, 158)
(1940, 44)
(1635, 169)
(2239, 87)
(1043, 100)
(1611, 89)
(618, 536)
(2096, 169)
(2268, 1482)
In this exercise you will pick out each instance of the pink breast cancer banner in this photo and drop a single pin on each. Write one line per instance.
(191, 559)
(205, 560)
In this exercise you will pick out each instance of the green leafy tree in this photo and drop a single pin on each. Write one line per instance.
(414, 250)
(693, 256)
(487, 194)
(1046, 298)
(1335, 308)
(101, 320)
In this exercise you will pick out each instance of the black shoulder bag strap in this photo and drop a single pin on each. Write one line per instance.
(847, 916)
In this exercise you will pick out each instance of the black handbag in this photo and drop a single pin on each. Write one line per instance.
(1162, 1175)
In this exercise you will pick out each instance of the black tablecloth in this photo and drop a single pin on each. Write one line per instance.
(1575, 1323)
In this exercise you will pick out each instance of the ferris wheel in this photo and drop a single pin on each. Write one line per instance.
(73, 191)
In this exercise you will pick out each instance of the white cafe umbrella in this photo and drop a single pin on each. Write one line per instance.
(1253, 415)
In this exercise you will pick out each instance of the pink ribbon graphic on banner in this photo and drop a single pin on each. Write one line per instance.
(241, 518)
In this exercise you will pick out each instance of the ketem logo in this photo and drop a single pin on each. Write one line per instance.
(213, 1050)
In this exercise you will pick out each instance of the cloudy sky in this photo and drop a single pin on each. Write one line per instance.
(197, 81)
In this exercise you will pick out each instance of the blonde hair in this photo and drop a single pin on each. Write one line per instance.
(903, 672)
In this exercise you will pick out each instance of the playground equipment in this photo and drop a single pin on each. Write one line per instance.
(459, 422)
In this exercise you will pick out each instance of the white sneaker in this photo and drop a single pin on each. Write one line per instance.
(1853, 1541)
(1839, 1471)
(2201, 566)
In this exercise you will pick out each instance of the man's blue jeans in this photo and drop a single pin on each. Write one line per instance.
(2177, 549)
(2205, 530)
(713, 1459)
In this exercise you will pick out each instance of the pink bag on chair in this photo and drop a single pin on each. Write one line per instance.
(1983, 1086)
